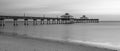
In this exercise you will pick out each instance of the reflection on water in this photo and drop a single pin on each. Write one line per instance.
(106, 33)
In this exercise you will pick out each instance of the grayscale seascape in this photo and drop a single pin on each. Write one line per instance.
(59, 25)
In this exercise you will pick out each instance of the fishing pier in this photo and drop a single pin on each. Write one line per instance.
(64, 19)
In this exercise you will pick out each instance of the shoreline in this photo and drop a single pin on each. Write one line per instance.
(73, 43)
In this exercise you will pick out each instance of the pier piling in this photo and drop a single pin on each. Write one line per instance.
(34, 21)
(2, 23)
(25, 21)
(15, 22)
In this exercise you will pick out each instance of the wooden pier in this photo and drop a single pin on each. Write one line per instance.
(64, 19)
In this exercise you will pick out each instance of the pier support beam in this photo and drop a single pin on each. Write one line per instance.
(53, 21)
(61, 21)
(97, 20)
(15, 22)
(26, 22)
(58, 21)
(42, 21)
(89, 21)
(64, 21)
(34, 21)
(2, 23)
(48, 21)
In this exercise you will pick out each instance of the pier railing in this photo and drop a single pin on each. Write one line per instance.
(45, 20)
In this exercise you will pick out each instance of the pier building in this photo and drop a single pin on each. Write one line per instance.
(67, 15)
(67, 18)
(85, 19)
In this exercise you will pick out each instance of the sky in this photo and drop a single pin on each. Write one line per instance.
(101, 9)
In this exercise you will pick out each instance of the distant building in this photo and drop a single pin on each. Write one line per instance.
(67, 18)
(66, 15)
(85, 19)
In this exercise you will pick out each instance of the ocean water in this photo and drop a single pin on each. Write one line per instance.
(101, 34)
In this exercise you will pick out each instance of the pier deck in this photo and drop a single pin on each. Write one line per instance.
(46, 20)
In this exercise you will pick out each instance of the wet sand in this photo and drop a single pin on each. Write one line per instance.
(24, 43)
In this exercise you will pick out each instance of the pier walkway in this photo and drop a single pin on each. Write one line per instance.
(64, 19)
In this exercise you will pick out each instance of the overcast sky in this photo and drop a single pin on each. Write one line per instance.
(102, 9)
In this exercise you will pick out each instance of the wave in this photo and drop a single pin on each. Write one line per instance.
(106, 45)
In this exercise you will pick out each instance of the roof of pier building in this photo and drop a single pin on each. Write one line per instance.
(66, 15)
(84, 17)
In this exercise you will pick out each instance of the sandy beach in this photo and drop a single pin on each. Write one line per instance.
(20, 43)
